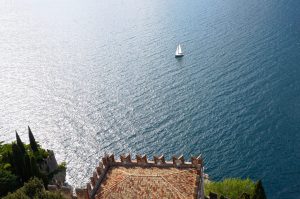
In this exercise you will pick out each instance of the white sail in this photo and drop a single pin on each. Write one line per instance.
(179, 49)
(178, 52)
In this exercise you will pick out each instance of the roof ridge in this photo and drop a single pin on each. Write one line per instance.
(173, 187)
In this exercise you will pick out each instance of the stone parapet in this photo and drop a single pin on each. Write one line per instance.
(158, 163)
(125, 158)
(141, 161)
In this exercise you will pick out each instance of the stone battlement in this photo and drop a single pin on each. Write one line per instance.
(142, 161)
(113, 176)
(158, 161)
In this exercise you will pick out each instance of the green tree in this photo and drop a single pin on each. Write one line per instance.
(20, 143)
(259, 192)
(5, 155)
(33, 144)
(8, 182)
(19, 162)
(28, 171)
(34, 167)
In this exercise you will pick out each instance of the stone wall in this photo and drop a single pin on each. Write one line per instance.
(49, 164)
(141, 161)
(51, 161)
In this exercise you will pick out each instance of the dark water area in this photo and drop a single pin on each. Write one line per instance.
(91, 77)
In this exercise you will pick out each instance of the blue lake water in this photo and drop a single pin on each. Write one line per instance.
(91, 77)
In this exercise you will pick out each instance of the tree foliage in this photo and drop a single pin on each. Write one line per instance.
(8, 182)
(33, 189)
(19, 162)
(20, 143)
(33, 144)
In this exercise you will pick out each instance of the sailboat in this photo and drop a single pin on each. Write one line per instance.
(178, 52)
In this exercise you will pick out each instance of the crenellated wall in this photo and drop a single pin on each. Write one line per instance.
(143, 161)
(140, 161)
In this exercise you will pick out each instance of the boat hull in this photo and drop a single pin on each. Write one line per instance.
(179, 55)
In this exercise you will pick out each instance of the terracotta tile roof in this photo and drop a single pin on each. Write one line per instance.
(148, 182)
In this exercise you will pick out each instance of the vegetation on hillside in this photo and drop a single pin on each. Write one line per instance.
(33, 189)
(234, 188)
(20, 162)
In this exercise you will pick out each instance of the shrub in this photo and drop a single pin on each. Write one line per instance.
(231, 187)
(62, 166)
(33, 189)
(8, 182)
